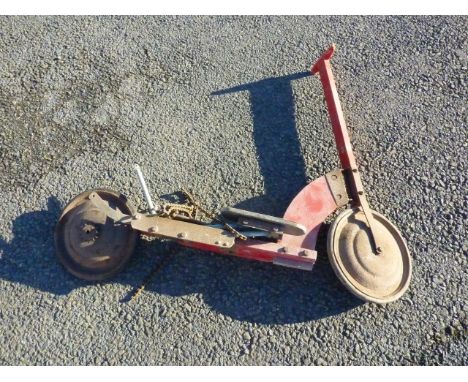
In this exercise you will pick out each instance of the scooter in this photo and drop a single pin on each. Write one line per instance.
(97, 231)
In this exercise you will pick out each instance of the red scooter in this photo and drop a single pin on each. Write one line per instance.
(97, 231)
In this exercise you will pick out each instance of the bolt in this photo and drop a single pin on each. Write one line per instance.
(334, 177)
(339, 196)
(182, 235)
(285, 249)
(153, 229)
(361, 192)
(305, 253)
(354, 169)
(217, 242)
(379, 250)
(87, 228)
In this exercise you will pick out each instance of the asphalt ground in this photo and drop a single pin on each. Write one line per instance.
(223, 106)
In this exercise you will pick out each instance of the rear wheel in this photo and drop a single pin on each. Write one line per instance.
(89, 244)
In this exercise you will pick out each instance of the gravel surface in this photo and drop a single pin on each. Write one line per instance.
(222, 105)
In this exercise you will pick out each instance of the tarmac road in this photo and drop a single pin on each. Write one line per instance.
(221, 105)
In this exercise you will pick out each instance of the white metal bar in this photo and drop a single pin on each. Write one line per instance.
(146, 193)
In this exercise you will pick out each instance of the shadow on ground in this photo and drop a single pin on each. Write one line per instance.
(276, 141)
(244, 290)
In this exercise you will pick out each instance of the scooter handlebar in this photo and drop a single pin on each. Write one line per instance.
(327, 55)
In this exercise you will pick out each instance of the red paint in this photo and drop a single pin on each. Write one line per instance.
(310, 208)
(343, 144)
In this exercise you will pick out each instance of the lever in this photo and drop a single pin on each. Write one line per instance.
(151, 206)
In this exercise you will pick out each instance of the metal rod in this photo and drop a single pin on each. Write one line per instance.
(250, 233)
(151, 207)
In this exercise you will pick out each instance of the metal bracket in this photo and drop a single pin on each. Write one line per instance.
(336, 183)
(114, 213)
(184, 231)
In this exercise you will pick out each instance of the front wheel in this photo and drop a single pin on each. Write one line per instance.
(379, 278)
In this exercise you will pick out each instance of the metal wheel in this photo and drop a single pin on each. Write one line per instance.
(377, 278)
(89, 244)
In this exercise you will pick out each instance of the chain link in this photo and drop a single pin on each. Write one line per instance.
(150, 277)
(172, 210)
(212, 216)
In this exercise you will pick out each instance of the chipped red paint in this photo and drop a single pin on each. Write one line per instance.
(310, 208)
